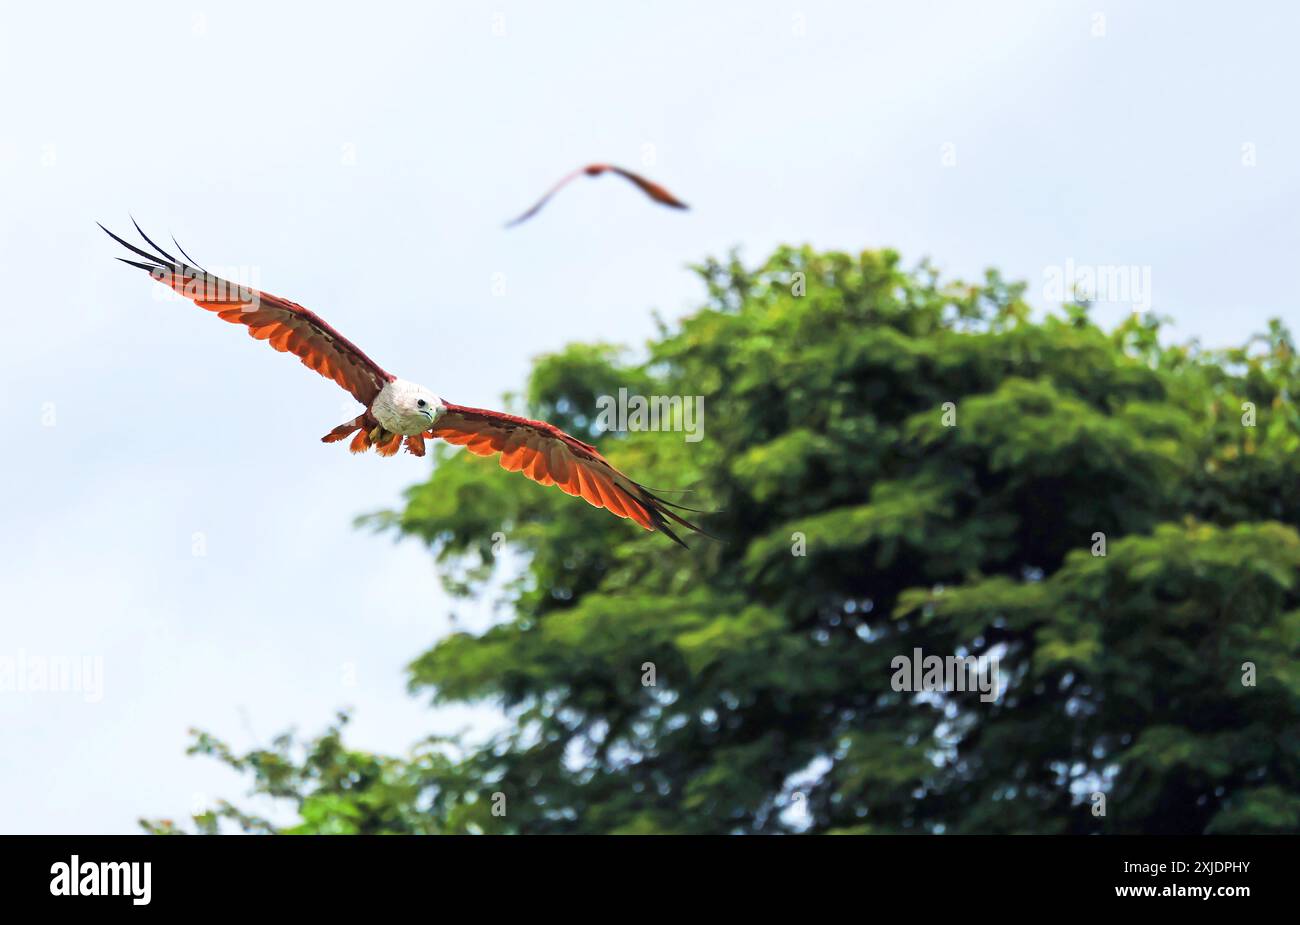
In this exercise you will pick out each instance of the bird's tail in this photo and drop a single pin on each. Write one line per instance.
(369, 434)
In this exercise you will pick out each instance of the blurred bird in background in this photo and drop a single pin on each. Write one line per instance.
(653, 190)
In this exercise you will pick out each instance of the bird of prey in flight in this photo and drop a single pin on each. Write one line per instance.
(653, 190)
(397, 411)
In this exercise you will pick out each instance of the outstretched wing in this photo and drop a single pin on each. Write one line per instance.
(537, 207)
(549, 456)
(285, 325)
(651, 189)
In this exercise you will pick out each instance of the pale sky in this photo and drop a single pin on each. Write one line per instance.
(361, 158)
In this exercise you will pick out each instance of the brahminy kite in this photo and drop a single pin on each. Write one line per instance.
(400, 412)
(653, 190)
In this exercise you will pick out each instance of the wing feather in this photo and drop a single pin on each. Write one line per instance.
(285, 325)
(547, 455)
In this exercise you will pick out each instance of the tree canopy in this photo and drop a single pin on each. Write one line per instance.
(897, 462)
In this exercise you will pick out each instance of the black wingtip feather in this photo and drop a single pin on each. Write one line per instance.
(133, 263)
(151, 241)
(658, 510)
(185, 255)
(152, 258)
(161, 260)
(663, 528)
(655, 492)
(682, 507)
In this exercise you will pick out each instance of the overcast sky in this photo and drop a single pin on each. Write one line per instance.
(361, 158)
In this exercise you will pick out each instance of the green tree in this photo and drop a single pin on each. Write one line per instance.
(898, 463)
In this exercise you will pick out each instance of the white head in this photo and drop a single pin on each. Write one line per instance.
(406, 408)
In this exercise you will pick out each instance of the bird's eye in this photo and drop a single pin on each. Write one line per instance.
(421, 403)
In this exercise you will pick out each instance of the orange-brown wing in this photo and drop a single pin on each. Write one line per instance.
(285, 325)
(537, 207)
(651, 189)
(549, 456)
